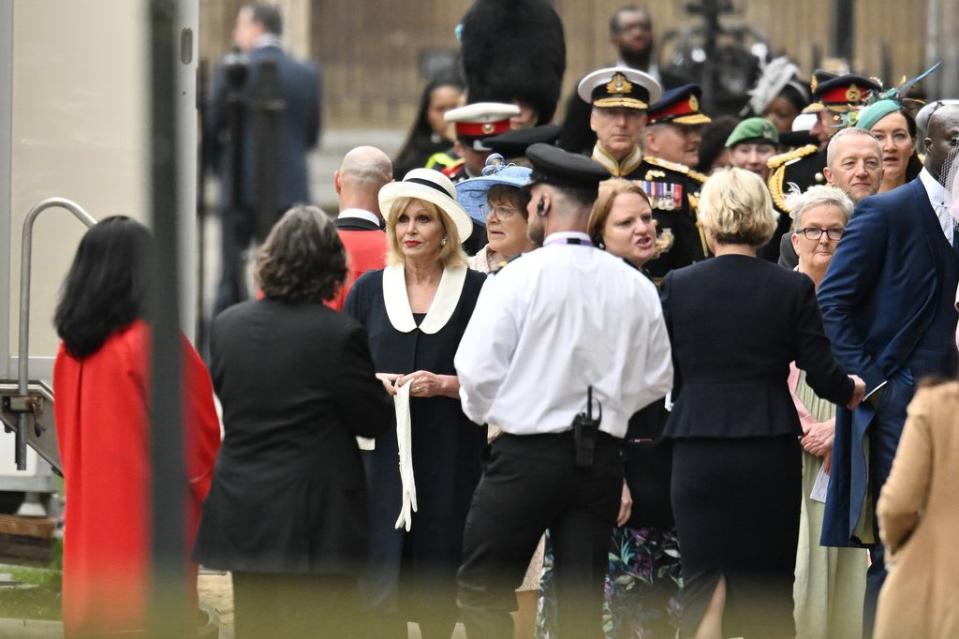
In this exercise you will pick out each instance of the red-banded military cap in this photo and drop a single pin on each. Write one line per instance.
(476, 122)
(678, 106)
(619, 87)
(840, 93)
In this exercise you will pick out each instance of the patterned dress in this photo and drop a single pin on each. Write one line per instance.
(642, 586)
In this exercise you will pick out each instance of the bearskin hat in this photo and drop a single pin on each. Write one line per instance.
(514, 50)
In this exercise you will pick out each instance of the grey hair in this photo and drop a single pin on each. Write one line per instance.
(819, 195)
(831, 149)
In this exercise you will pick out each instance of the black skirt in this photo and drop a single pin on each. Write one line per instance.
(736, 504)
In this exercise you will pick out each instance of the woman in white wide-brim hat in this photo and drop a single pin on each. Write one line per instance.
(415, 311)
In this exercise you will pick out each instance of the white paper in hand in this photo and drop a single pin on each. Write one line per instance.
(821, 486)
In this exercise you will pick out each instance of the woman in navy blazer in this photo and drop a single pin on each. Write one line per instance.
(736, 322)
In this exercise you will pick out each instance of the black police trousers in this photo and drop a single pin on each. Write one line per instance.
(531, 484)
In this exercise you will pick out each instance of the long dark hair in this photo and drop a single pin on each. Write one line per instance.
(419, 141)
(105, 288)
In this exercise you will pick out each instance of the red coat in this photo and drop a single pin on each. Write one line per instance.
(365, 251)
(102, 425)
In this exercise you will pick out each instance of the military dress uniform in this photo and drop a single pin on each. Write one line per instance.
(673, 188)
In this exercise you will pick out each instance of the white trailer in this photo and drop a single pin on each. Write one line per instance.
(74, 123)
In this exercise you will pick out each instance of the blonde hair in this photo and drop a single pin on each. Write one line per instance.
(451, 253)
(735, 208)
(609, 190)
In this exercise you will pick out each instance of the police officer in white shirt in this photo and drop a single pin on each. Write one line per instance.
(554, 326)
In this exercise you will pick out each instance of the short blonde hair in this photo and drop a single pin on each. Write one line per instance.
(451, 253)
(735, 208)
(819, 195)
(609, 190)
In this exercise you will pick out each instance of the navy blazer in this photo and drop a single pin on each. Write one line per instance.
(892, 273)
(298, 130)
(884, 282)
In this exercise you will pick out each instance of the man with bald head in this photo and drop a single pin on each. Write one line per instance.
(887, 306)
(853, 164)
(358, 181)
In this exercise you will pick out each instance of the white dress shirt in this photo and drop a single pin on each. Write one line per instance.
(553, 322)
(359, 214)
(941, 200)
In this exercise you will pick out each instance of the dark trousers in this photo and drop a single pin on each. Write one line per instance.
(530, 485)
(269, 605)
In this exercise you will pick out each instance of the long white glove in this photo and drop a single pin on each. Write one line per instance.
(401, 403)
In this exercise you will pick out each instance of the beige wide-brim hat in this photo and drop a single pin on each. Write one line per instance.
(430, 186)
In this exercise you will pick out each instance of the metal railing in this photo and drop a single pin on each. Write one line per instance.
(25, 405)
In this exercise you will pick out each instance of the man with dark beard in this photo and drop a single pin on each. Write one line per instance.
(631, 32)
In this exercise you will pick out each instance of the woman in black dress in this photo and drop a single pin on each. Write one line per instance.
(736, 322)
(415, 311)
(287, 510)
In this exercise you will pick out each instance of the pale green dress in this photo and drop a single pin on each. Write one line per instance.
(830, 582)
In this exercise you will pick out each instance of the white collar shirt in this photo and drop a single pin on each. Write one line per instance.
(941, 200)
(550, 324)
(359, 214)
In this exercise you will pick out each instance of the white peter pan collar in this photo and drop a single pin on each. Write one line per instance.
(444, 302)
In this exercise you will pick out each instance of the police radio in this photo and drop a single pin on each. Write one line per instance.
(585, 429)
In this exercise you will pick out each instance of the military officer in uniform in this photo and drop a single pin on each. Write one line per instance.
(833, 97)
(674, 126)
(620, 98)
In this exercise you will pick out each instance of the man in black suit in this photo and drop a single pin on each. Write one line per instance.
(275, 138)
(631, 33)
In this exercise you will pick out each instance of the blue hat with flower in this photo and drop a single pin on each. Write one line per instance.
(471, 193)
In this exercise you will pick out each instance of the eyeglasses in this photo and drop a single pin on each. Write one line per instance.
(502, 212)
(816, 234)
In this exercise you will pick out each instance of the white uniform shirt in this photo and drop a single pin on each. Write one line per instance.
(550, 324)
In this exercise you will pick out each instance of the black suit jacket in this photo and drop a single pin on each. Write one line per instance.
(736, 323)
(289, 495)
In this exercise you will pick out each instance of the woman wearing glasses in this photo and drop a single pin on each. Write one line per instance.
(498, 200)
(830, 582)
(736, 322)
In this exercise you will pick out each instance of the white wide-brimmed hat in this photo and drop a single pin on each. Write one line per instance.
(430, 186)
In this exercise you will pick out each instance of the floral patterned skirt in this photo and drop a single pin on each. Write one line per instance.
(642, 587)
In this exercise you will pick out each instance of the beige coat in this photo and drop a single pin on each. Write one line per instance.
(919, 522)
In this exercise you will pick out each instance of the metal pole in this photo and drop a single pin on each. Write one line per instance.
(23, 341)
(168, 484)
(843, 30)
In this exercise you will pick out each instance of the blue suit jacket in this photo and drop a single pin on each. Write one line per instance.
(880, 295)
(298, 130)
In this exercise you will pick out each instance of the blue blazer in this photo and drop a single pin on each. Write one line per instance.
(879, 298)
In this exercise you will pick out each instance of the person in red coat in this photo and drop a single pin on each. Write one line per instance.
(101, 390)
(361, 175)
